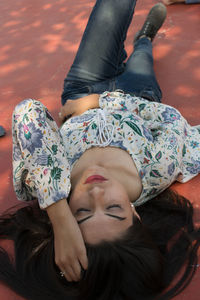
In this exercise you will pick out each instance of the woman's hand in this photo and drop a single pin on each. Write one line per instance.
(70, 251)
(76, 107)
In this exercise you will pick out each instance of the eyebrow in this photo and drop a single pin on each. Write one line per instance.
(113, 216)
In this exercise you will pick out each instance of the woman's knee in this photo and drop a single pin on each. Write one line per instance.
(111, 11)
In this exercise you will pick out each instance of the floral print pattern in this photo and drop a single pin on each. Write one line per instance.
(163, 146)
(171, 169)
(16, 153)
(40, 166)
(170, 114)
(156, 136)
(82, 118)
(29, 136)
(194, 167)
(147, 133)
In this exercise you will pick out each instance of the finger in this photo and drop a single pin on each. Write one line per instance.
(70, 275)
(64, 116)
(83, 260)
(68, 108)
(77, 269)
(62, 113)
(60, 116)
(63, 119)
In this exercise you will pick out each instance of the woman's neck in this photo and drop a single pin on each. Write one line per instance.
(117, 161)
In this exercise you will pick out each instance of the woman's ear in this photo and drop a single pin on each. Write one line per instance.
(134, 211)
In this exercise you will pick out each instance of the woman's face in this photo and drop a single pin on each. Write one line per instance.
(101, 206)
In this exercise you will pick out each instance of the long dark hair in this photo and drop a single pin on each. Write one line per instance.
(141, 265)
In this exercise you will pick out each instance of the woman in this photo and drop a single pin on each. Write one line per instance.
(115, 149)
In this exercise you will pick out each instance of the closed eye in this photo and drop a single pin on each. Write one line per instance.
(81, 209)
(108, 207)
(114, 206)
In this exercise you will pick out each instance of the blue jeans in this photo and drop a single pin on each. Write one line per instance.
(100, 65)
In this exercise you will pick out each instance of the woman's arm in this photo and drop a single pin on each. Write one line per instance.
(77, 107)
(70, 251)
(41, 170)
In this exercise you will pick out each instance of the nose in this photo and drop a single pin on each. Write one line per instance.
(96, 192)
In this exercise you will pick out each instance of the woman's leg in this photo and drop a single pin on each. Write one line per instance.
(139, 76)
(101, 52)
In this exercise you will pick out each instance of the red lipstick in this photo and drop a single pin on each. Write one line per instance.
(95, 178)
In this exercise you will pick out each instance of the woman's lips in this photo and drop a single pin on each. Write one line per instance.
(95, 178)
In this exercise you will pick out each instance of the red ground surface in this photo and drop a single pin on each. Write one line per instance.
(38, 42)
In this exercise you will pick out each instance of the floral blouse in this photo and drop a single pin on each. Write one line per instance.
(163, 146)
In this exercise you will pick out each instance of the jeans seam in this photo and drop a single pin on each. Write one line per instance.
(123, 38)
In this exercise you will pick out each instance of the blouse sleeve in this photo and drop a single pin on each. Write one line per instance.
(40, 166)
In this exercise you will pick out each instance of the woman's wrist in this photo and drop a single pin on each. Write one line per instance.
(85, 103)
(59, 213)
(92, 100)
